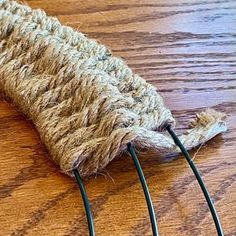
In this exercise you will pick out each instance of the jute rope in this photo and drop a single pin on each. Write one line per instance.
(85, 104)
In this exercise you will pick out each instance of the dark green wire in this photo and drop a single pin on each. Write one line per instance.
(200, 181)
(145, 189)
(86, 202)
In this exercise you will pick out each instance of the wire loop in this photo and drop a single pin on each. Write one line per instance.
(86, 202)
(152, 215)
(200, 181)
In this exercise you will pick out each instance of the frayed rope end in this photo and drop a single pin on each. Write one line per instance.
(208, 118)
(205, 126)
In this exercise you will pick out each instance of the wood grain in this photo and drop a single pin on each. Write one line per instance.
(187, 49)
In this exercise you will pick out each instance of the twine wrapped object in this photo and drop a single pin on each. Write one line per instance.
(85, 104)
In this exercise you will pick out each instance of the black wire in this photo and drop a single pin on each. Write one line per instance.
(145, 189)
(200, 181)
(86, 202)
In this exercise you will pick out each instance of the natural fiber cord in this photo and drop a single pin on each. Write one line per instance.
(86, 105)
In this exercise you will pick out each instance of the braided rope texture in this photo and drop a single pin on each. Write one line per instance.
(85, 103)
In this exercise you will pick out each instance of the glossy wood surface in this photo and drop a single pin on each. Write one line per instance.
(187, 49)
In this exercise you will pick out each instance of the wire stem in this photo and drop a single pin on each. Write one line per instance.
(145, 189)
(86, 202)
(200, 181)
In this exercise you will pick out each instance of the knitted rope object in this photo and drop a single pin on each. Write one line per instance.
(85, 104)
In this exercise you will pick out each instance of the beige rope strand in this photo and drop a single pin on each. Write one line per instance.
(85, 104)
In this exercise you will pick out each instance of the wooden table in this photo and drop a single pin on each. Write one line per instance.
(187, 49)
